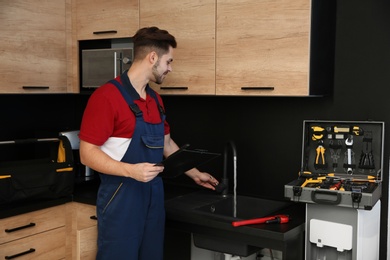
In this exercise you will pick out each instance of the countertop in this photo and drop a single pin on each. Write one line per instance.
(284, 237)
(9, 210)
(83, 192)
(181, 201)
(181, 208)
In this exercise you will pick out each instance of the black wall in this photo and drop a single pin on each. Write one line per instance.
(267, 130)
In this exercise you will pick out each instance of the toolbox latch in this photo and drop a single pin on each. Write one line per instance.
(297, 191)
(356, 197)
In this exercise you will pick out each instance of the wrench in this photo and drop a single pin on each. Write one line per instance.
(335, 152)
(348, 144)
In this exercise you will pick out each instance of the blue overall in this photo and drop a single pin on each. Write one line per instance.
(131, 214)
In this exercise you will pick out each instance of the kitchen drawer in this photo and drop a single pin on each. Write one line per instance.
(46, 245)
(28, 224)
(87, 243)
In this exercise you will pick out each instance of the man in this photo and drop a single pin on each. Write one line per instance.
(123, 135)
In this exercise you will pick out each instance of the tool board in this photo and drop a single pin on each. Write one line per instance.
(342, 164)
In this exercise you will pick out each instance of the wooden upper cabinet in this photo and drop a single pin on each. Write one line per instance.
(263, 47)
(193, 25)
(98, 19)
(33, 46)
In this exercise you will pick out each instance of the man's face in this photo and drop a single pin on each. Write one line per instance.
(163, 66)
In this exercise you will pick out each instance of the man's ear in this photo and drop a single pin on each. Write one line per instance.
(153, 57)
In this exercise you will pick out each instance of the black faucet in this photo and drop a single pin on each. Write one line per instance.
(223, 186)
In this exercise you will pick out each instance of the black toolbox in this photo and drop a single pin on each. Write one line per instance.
(35, 170)
(342, 163)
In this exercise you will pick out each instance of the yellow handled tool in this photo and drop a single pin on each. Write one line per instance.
(313, 180)
(318, 133)
(353, 130)
(320, 152)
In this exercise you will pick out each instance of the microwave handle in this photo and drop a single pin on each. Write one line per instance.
(115, 64)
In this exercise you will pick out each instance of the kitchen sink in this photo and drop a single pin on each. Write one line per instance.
(230, 209)
(208, 215)
(242, 208)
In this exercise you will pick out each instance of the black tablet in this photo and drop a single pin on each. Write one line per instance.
(185, 159)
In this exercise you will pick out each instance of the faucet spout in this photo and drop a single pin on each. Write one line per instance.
(225, 179)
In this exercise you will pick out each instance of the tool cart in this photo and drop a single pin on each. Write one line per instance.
(340, 181)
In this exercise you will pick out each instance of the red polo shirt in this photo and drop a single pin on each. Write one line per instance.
(108, 115)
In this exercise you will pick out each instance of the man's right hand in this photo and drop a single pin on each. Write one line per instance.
(144, 172)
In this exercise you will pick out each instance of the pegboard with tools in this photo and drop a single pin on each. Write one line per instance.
(341, 165)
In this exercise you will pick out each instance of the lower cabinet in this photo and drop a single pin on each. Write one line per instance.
(39, 234)
(83, 231)
(47, 245)
(68, 231)
(86, 243)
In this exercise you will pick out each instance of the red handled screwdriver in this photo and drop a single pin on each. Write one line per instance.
(273, 219)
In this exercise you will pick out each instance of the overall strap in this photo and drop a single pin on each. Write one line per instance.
(130, 94)
(153, 95)
(128, 97)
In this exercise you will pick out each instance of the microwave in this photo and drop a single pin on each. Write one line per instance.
(101, 65)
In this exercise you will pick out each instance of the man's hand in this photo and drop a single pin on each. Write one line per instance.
(203, 179)
(144, 172)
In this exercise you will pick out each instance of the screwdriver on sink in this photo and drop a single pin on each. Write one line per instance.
(267, 220)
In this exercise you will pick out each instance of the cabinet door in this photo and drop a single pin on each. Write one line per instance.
(262, 47)
(98, 19)
(193, 25)
(87, 243)
(33, 46)
(82, 237)
(86, 216)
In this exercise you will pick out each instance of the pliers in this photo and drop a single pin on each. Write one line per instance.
(320, 157)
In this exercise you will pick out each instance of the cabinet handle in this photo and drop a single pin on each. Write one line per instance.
(174, 88)
(258, 88)
(93, 217)
(19, 228)
(105, 32)
(31, 250)
(36, 87)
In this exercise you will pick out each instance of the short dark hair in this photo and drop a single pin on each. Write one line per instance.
(152, 38)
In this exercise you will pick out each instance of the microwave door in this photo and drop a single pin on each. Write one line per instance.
(98, 67)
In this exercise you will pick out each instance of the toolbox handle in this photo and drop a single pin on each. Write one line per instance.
(326, 201)
(30, 140)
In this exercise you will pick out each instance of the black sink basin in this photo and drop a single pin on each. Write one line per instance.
(228, 209)
(244, 208)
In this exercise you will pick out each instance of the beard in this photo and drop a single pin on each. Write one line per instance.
(159, 78)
